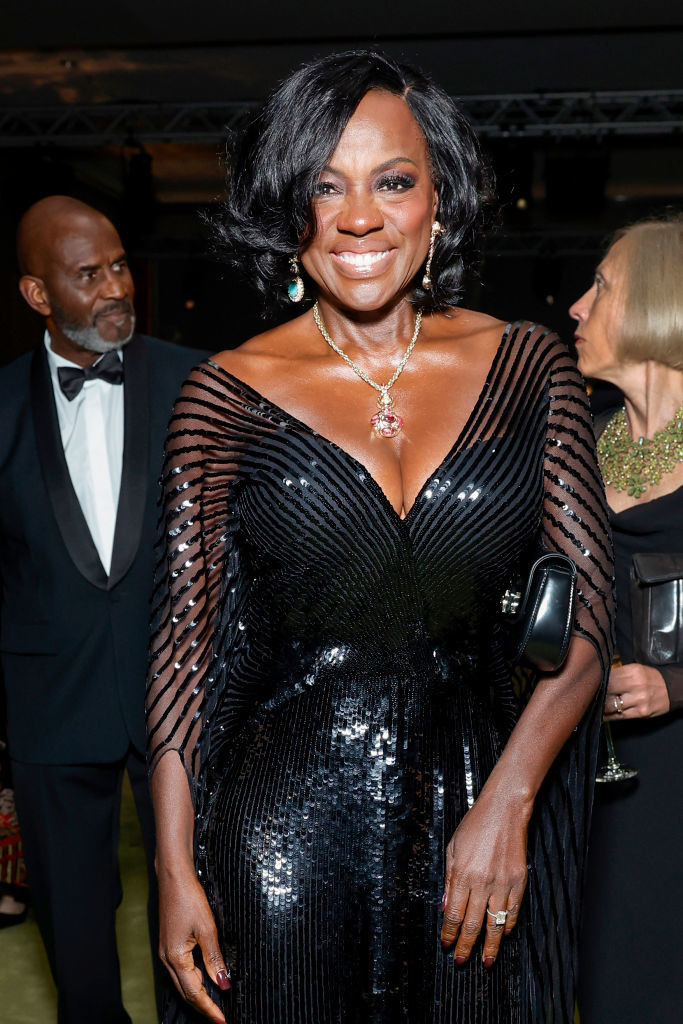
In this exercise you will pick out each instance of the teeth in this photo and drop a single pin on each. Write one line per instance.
(362, 259)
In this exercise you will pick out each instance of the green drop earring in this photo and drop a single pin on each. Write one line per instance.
(295, 288)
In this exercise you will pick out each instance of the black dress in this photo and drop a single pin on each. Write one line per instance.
(630, 946)
(332, 676)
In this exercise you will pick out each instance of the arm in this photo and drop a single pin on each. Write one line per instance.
(185, 916)
(193, 558)
(486, 858)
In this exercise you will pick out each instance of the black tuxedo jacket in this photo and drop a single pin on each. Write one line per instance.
(73, 641)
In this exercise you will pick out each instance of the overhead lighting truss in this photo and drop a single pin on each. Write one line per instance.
(506, 115)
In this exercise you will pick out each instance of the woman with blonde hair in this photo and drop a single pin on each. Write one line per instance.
(630, 333)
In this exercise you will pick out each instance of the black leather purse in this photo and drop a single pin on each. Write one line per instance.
(657, 608)
(538, 613)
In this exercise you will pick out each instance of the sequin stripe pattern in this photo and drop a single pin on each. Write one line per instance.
(197, 566)
(303, 599)
(572, 520)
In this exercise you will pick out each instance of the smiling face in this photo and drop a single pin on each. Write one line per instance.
(599, 315)
(374, 207)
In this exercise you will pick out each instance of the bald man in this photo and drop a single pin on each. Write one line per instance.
(82, 424)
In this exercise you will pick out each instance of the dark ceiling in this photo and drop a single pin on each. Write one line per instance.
(131, 23)
(177, 50)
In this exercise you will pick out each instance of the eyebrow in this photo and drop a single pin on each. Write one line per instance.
(380, 167)
(86, 268)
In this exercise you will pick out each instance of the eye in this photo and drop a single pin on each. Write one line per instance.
(598, 283)
(325, 188)
(120, 265)
(395, 182)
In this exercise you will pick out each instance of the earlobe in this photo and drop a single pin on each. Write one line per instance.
(33, 291)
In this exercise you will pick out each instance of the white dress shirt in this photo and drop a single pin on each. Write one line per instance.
(92, 437)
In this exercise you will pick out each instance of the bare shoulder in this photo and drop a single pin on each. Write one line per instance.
(465, 330)
(269, 354)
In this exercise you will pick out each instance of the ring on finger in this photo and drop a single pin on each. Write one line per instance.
(498, 916)
(618, 704)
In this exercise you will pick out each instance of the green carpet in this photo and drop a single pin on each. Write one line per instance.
(27, 993)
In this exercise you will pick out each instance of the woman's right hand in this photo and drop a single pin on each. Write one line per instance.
(186, 921)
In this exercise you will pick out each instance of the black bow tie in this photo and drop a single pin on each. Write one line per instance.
(108, 368)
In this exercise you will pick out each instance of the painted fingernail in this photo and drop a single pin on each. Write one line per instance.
(443, 903)
(223, 980)
(460, 960)
(445, 943)
(489, 961)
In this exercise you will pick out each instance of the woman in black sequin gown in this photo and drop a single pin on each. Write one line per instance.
(327, 667)
(630, 333)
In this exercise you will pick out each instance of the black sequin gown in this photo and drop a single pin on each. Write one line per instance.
(331, 676)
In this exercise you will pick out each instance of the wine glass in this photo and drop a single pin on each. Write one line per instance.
(613, 770)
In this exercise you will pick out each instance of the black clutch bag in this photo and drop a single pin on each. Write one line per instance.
(538, 613)
(657, 608)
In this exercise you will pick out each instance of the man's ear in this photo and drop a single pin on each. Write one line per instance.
(33, 290)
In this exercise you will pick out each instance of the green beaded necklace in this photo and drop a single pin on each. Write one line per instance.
(632, 466)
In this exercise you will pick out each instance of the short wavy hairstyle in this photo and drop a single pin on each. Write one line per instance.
(274, 165)
(652, 285)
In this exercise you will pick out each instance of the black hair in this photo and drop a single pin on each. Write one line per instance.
(274, 165)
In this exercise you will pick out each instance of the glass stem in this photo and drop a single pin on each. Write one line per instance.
(611, 753)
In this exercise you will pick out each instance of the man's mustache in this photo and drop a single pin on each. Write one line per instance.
(122, 306)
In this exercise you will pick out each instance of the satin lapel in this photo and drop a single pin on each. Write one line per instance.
(68, 513)
(135, 472)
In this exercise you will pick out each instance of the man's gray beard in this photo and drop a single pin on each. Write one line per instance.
(90, 338)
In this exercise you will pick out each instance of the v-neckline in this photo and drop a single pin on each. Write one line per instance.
(356, 462)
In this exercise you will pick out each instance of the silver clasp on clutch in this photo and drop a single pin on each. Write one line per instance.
(510, 602)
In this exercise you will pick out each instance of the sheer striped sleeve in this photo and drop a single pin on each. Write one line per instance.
(196, 563)
(575, 519)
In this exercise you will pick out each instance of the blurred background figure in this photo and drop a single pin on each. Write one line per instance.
(82, 421)
(13, 890)
(630, 334)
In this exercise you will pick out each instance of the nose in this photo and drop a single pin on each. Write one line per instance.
(117, 284)
(359, 214)
(580, 309)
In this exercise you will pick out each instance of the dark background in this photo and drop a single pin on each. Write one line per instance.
(565, 180)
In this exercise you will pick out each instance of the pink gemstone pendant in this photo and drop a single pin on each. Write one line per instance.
(385, 422)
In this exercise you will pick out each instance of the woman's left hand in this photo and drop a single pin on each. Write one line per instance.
(485, 869)
(635, 691)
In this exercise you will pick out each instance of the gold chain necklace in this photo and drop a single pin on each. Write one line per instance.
(386, 422)
(634, 466)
